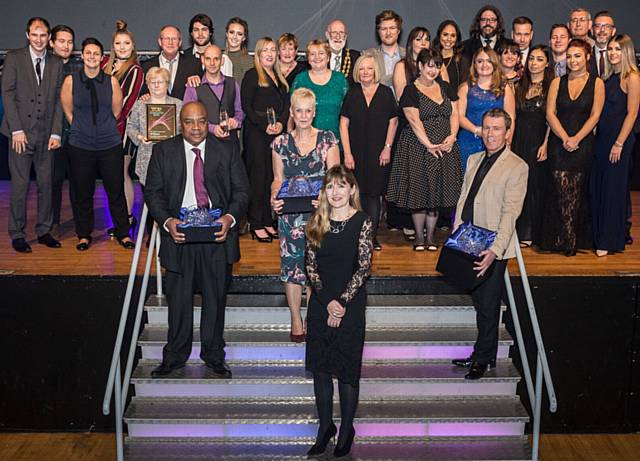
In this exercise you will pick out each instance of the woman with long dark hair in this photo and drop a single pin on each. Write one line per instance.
(406, 70)
(448, 42)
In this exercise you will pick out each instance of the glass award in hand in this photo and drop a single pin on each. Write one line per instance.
(271, 116)
(224, 122)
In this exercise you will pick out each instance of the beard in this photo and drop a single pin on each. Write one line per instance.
(488, 31)
(337, 47)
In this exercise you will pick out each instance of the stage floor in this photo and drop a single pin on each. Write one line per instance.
(107, 258)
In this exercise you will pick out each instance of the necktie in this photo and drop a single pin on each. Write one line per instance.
(202, 197)
(336, 63)
(39, 70)
(487, 43)
(601, 63)
(171, 63)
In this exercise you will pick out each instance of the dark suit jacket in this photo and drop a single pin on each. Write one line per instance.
(592, 65)
(470, 45)
(188, 65)
(347, 65)
(32, 108)
(226, 181)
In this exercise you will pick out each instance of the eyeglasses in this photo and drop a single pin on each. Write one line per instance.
(157, 82)
(600, 25)
(489, 20)
(578, 20)
(170, 39)
(337, 33)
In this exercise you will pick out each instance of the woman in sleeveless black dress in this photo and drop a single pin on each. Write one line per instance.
(566, 225)
(339, 247)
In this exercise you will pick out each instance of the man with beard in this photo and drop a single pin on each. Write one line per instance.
(342, 59)
(201, 33)
(487, 30)
(603, 29)
(559, 42)
(389, 26)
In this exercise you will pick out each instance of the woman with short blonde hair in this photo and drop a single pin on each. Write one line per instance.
(358, 65)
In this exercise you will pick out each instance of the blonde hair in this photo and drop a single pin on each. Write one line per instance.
(319, 224)
(628, 64)
(497, 83)
(322, 43)
(121, 29)
(154, 71)
(302, 94)
(262, 74)
(358, 65)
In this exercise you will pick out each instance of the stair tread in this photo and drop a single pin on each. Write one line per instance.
(278, 373)
(260, 411)
(402, 336)
(505, 449)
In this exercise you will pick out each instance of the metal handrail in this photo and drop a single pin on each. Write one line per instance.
(115, 384)
(543, 374)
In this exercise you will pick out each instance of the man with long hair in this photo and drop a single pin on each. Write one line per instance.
(487, 29)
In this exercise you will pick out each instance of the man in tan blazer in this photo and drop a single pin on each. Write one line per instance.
(492, 194)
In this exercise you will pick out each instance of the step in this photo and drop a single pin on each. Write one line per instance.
(381, 310)
(269, 344)
(273, 418)
(465, 449)
(378, 380)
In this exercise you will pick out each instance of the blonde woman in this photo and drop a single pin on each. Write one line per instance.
(485, 90)
(615, 138)
(339, 246)
(157, 80)
(265, 101)
(308, 152)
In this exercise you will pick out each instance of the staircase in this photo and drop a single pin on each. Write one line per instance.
(414, 405)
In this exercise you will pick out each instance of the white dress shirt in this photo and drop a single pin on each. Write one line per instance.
(34, 61)
(167, 64)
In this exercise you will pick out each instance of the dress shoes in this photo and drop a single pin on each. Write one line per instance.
(221, 369)
(466, 363)
(322, 441)
(343, 448)
(164, 369)
(49, 241)
(21, 245)
(477, 370)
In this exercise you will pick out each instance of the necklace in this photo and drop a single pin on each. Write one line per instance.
(339, 227)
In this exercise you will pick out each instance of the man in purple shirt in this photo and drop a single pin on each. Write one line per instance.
(220, 95)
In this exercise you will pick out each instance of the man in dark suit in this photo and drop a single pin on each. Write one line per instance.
(604, 28)
(487, 30)
(196, 169)
(342, 59)
(201, 35)
(492, 195)
(31, 81)
(180, 66)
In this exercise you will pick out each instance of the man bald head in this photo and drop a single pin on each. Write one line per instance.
(211, 59)
(194, 122)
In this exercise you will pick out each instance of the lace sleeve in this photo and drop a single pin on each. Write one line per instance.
(365, 248)
(312, 268)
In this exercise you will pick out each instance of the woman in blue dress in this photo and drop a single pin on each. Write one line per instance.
(615, 138)
(485, 90)
(309, 152)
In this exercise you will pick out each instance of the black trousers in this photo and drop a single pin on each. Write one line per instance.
(486, 299)
(257, 154)
(60, 169)
(84, 168)
(204, 267)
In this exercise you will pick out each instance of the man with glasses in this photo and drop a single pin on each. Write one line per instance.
(580, 24)
(603, 29)
(342, 59)
(487, 30)
(180, 68)
(388, 26)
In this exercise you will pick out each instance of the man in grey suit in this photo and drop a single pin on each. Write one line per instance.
(31, 82)
(388, 26)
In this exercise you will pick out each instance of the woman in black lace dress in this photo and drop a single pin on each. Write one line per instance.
(531, 136)
(574, 105)
(339, 246)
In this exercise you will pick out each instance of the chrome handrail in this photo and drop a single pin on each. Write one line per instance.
(543, 374)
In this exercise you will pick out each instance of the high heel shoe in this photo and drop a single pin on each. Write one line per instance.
(273, 235)
(258, 238)
(132, 222)
(343, 449)
(320, 446)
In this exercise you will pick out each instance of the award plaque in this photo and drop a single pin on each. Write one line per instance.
(161, 122)
(200, 224)
(297, 193)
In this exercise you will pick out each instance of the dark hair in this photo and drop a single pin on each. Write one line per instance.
(558, 25)
(525, 82)
(237, 20)
(205, 21)
(435, 43)
(35, 19)
(429, 55)
(387, 15)
(475, 29)
(520, 20)
(604, 13)
(579, 43)
(507, 45)
(92, 41)
(498, 112)
(410, 67)
(61, 28)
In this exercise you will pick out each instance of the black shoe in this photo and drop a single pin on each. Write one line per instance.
(49, 241)
(320, 446)
(84, 246)
(128, 244)
(343, 449)
(132, 222)
(466, 363)
(266, 239)
(408, 234)
(111, 232)
(570, 253)
(376, 245)
(20, 245)
(164, 369)
(477, 370)
(273, 235)
(221, 369)
(628, 240)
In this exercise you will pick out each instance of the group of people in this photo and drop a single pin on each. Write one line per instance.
(441, 132)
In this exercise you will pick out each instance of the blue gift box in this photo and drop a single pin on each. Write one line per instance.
(200, 224)
(297, 193)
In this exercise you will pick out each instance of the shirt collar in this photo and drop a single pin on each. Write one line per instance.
(396, 54)
(493, 157)
(188, 146)
(34, 56)
(164, 60)
(221, 82)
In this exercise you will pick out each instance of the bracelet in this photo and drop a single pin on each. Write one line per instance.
(388, 145)
(617, 144)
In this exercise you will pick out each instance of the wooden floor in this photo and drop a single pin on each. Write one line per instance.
(106, 257)
(97, 447)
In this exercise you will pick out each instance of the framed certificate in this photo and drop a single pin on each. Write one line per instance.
(161, 122)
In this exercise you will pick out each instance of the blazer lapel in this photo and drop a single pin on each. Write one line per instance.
(29, 64)
(181, 167)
